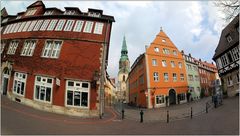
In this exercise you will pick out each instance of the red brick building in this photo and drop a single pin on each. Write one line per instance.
(51, 59)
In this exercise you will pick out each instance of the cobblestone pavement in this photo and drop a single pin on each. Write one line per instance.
(20, 119)
(176, 112)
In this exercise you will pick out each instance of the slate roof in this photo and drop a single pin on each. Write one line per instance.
(223, 44)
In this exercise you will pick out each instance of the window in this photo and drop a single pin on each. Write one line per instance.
(235, 53)
(164, 63)
(173, 64)
(189, 67)
(17, 27)
(19, 83)
(98, 28)
(154, 62)
(182, 77)
(180, 64)
(155, 76)
(45, 24)
(43, 88)
(60, 25)
(88, 27)
(28, 48)
(174, 77)
(26, 26)
(69, 25)
(224, 60)
(38, 25)
(166, 51)
(49, 12)
(30, 12)
(6, 28)
(13, 28)
(196, 78)
(21, 27)
(163, 40)
(30, 28)
(52, 49)
(159, 99)
(69, 12)
(190, 77)
(174, 52)
(182, 96)
(229, 80)
(77, 94)
(229, 38)
(165, 76)
(195, 68)
(78, 26)
(52, 24)
(3, 44)
(94, 14)
(12, 47)
(156, 49)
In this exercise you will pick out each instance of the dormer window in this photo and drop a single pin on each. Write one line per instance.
(49, 12)
(163, 40)
(18, 17)
(94, 14)
(31, 12)
(69, 12)
(229, 38)
(156, 49)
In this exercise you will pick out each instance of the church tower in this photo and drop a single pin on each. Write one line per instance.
(124, 68)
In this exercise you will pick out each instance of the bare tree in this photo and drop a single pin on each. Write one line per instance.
(229, 7)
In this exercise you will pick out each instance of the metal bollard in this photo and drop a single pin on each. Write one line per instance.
(167, 116)
(191, 112)
(141, 116)
(122, 114)
(206, 107)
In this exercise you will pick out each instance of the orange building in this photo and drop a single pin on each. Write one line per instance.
(158, 77)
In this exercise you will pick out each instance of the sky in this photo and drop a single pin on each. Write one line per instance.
(193, 26)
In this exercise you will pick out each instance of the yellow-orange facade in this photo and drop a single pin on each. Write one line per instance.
(164, 74)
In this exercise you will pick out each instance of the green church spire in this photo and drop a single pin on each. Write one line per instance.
(124, 51)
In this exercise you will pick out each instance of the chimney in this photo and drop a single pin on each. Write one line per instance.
(190, 55)
(200, 60)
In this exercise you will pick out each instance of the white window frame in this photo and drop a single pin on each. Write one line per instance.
(38, 25)
(19, 80)
(180, 64)
(155, 76)
(229, 81)
(10, 27)
(28, 48)
(77, 87)
(165, 76)
(12, 47)
(49, 12)
(88, 27)
(6, 28)
(26, 26)
(13, 28)
(45, 25)
(69, 12)
(173, 64)
(51, 49)
(32, 25)
(229, 38)
(235, 53)
(60, 25)
(69, 25)
(182, 77)
(17, 27)
(21, 27)
(98, 28)
(174, 52)
(52, 24)
(161, 99)
(175, 77)
(156, 49)
(78, 26)
(164, 63)
(154, 62)
(43, 85)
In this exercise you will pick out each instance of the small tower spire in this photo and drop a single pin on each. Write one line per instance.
(161, 29)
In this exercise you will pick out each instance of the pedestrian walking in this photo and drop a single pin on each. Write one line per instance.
(141, 116)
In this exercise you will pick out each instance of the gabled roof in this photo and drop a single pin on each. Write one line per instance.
(4, 12)
(223, 44)
(36, 4)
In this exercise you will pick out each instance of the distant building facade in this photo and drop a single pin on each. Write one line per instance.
(193, 77)
(124, 68)
(158, 76)
(51, 59)
(227, 57)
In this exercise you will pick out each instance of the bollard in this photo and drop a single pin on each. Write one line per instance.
(191, 112)
(122, 114)
(167, 116)
(206, 107)
(141, 116)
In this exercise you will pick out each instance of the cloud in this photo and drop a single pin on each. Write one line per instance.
(193, 26)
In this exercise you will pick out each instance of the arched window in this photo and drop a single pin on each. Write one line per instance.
(123, 77)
